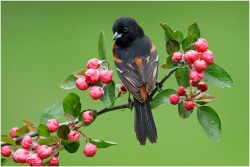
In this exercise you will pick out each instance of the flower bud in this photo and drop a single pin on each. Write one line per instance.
(174, 99)
(200, 65)
(177, 57)
(27, 142)
(21, 155)
(189, 105)
(93, 63)
(208, 57)
(202, 86)
(106, 76)
(92, 76)
(53, 125)
(82, 84)
(190, 56)
(6, 151)
(181, 91)
(54, 161)
(73, 136)
(196, 76)
(96, 92)
(34, 160)
(201, 45)
(89, 150)
(12, 132)
(44, 151)
(87, 117)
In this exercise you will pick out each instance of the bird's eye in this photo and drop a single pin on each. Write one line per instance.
(125, 29)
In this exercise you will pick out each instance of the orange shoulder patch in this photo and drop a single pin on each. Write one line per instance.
(138, 62)
(117, 60)
(153, 48)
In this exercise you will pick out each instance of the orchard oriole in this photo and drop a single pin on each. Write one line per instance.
(136, 62)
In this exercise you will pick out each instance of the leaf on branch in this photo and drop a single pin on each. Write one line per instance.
(210, 122)
(204, 98)
(47, 141)
(193, 35)
(102, 46)
(79, 73)
(72, 104)
(63, 132)
(217, 76)
(101, 143)
(183, 112)
(8, 140)
(170, 34)
(55, 111)
(3, 161)
(71, 146)
(43, 130)
(170, 64)
(172, 46)
(162, 98)
(30, 125)
(182, 77)
(69, 82)
(22, 131)
(108, 98)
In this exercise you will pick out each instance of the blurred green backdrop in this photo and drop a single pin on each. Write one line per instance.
(43, 42)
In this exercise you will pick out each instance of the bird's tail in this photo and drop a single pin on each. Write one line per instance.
(144, 122)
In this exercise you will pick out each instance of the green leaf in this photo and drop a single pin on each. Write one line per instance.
(210, 122)
(204, 98)
(183, 112)
(63, 132)
(193, 35)
(47, 141)
(170, 64)
(215, 75)
(22, 131)
(178, 36)
(43, 130)
(8, 140)
(72, 104)
(182, 77)
(71, 146)
(69, 82)
(169, 34)
(101, 143)
(94, 114)
(109, 95)
(3, 161)
(79, 73)
(101, 46)
(172, 46)
(55, 111)
(162, 98)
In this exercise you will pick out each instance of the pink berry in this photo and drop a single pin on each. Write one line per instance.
(196, 76)
(194, 83)
(92, 76)
(181, 91)
(27, 142)
(202, 86)
(35, 146)
(200, 65)
(106, 76)
(89, 150)
(82, 84)
(177, 57)
(73, 136)
(208, 57)
(93, 63)
(44, 151)
(54, 161)
(96, 92)
(190, 56)
(87, 117)
(53, 125)
(6, 151)
(201, 45)
(12, 132)
(34, 160)
(189, 105)
(174, 99)
(21, 155)
(123, 88)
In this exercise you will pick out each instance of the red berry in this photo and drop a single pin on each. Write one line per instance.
(34, 160)
(208, 57)
(6, 151)
(174, 99)
(123, 88)
(92, 76)
(190, 56)
(181, 91)
(93, 63)
(44, 151)
(96, 92)
(177, 57)
(21, 155)
(201, 45)
(53, 125)
(202, 86)
(87, 117)
(189, 105)
(12, 132)
(82, 84)
(200, 65)
(89, 150)
(27, 142)
(196, 76)
(73, 136)
(106, 76)
(54, 161)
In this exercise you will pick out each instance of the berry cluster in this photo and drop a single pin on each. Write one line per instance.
(198, 61)
(92, 76)
(33, 154)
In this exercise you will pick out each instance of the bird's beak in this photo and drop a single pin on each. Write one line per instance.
(117, 36)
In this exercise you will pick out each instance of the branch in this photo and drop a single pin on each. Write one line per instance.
(104, 110)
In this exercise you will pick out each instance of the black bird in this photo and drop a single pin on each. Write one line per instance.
(136, 62)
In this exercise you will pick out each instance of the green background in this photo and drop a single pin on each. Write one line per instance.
(43, 42)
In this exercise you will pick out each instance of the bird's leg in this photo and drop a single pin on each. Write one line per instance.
(130, 102)
(158, 86)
